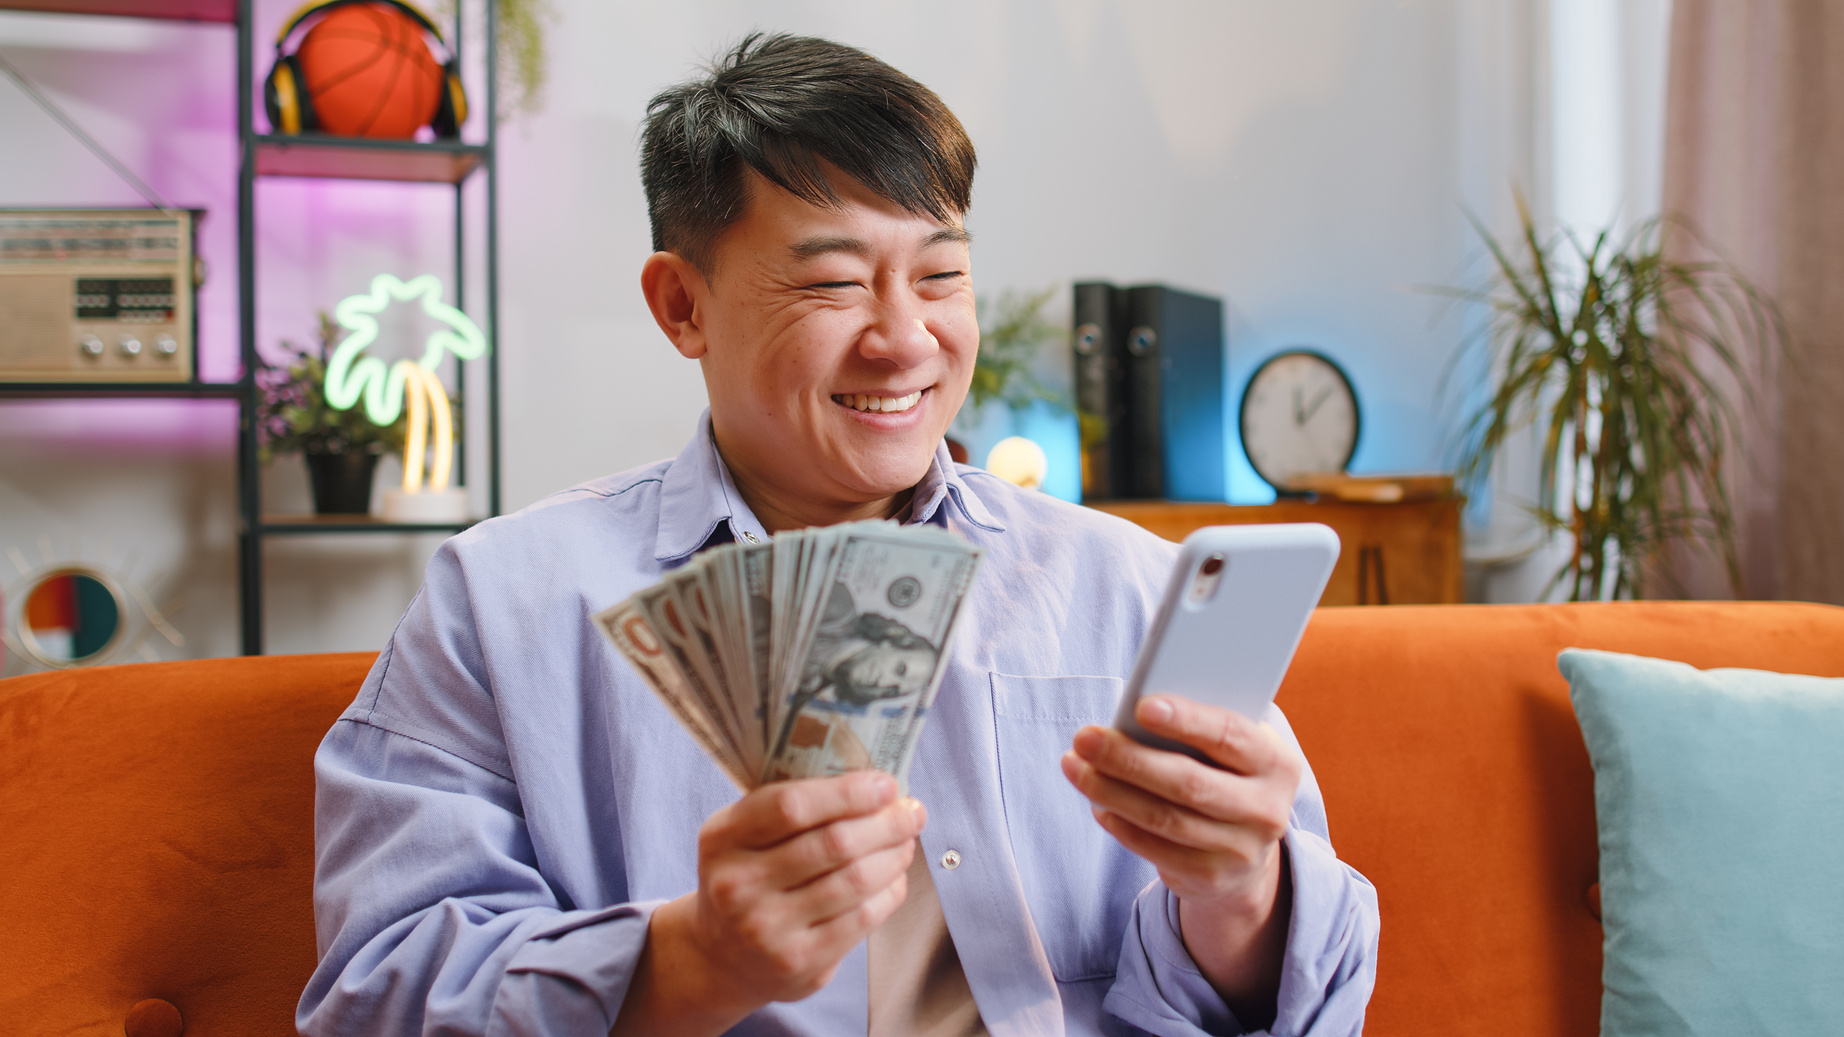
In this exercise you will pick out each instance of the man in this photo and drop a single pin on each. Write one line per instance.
(509, 834)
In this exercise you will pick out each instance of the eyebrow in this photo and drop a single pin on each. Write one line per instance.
(948, 235)
(819, 246)
(812, 247)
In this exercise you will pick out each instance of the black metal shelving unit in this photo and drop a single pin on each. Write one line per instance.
(318, 157)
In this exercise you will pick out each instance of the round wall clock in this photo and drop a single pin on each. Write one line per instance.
(1299, 417)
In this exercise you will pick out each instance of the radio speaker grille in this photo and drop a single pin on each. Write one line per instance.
(96, 295)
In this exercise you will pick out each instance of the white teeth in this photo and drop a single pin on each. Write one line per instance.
(877, 404)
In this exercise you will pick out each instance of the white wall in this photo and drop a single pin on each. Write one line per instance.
(1310, 162)
(1303, 161)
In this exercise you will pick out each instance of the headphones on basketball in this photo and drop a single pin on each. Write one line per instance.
(291, 109)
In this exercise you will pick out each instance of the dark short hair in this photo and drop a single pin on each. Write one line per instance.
(779, 105)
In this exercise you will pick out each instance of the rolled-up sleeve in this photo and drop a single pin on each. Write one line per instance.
(1330, 964)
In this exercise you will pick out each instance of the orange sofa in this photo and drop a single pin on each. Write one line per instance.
(158, 822)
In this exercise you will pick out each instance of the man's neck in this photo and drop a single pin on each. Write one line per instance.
(778, 511)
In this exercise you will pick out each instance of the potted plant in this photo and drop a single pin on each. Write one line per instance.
(1012, 327)
(1615, 353)
(341, 447)
(523, 57)
(522, 54)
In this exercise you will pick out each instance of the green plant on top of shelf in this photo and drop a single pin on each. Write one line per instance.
(1012, 328)
(293, 415)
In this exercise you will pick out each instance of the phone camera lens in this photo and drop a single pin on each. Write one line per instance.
(1212, 565)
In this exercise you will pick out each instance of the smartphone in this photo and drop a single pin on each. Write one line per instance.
(1233, 613)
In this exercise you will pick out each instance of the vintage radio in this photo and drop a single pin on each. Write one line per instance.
(97, 295)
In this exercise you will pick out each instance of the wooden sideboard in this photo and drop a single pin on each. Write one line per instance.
(1401, 553)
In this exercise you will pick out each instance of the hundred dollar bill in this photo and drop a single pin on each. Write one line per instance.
(704, 651)
(790, 552)
(660, 604)
(719, 575)
(755, 608)
(862, 673)
(627, 627)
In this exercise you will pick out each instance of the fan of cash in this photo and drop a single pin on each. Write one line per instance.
(815, 653)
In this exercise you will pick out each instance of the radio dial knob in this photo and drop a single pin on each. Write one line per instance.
(129, 345)
(90, 345)
(165, 346)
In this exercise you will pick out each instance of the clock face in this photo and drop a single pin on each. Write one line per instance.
(1299, 416)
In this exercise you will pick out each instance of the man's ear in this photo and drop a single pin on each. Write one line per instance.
(674, 289)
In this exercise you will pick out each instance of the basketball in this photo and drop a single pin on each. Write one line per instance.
(370, 73)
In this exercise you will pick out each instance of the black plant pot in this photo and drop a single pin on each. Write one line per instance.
(342, 482)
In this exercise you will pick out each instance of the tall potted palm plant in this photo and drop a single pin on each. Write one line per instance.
(1625, 359)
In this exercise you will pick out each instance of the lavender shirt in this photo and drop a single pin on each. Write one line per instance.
(506, 802)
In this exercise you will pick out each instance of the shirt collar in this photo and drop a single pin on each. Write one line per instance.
(697, 496)
(942, 482)
(699, 503)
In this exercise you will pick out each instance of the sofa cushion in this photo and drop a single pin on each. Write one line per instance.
(1456, 780)
(1719, 797)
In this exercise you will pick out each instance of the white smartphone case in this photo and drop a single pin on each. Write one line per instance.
(1226, 638)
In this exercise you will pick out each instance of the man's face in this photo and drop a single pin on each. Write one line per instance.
(838, 344)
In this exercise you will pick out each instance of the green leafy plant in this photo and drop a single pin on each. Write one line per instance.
(1012, 328)
(293, 415)
(1613, 352)
(522, 54)
(523, 57)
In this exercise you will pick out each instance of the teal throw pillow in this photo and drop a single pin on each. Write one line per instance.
(1719, 796)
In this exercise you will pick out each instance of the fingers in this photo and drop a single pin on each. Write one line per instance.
(1219, 794)
(790, 959)
(844, 890)
(1180, 800)
(831, 940)
(1167, 775)
(783, 809)
(845, 929)
(857, 849)
(1153, 847)
(1186, 870)
(1240, 814)
(825, 849)
(1231, 739)
(794, 874)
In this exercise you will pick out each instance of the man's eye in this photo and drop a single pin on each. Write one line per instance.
(944, 276)
(834, 284)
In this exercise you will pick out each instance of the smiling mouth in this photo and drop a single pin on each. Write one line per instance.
(877, 404)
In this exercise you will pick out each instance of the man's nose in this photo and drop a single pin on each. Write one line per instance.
(898, 334)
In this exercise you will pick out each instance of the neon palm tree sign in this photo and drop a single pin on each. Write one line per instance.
(387, 391)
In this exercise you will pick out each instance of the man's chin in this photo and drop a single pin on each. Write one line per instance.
(877, 478)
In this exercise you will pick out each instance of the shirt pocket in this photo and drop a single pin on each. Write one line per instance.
(1078, 882)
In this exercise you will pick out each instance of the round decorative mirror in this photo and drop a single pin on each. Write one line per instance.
(71, 617)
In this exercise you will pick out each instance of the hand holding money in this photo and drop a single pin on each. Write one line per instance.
(816, 653)
(793, 663)
(790, 878)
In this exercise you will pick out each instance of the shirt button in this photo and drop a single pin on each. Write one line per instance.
(951, 859)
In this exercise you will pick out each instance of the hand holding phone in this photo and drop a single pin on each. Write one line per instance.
(1233, 613)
